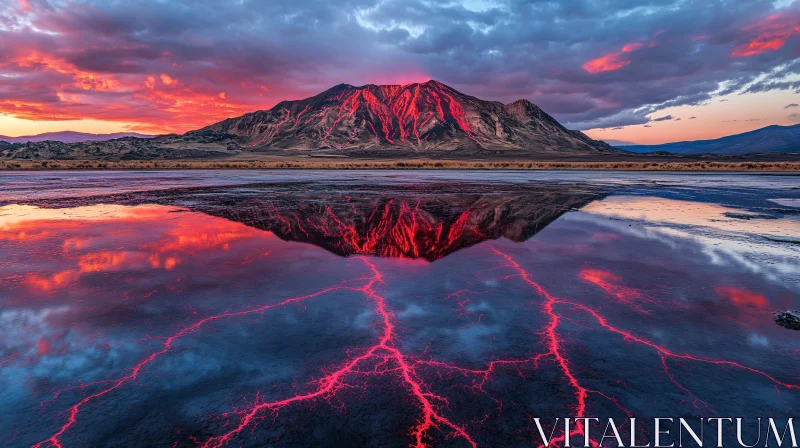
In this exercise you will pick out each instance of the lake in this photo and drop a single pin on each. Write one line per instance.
(390, 308)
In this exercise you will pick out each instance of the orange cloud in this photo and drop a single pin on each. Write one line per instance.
(83, 80)
(631, 47)
(23, 235)
(51, 282)
(166, 79)
(101, 261)
(770, 34)
(75, 243)
(741, 296)
(193, 239)
(142, 102)
(170, 263)
(612, 61)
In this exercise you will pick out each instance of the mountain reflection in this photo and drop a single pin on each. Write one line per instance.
(414, 222)
(182, 318)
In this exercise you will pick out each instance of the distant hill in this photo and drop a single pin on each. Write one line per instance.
(72, 137)
(770, 139)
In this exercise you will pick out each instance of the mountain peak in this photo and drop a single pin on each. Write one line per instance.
(435, 83)
(416, 116)
(522, 102)
(428, 83)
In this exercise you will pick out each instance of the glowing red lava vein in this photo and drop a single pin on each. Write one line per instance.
(75, 409)
(385, 359)
(553, 344)
(386, 354)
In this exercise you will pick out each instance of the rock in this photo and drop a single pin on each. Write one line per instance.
(789, 319)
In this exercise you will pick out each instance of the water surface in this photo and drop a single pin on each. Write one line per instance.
(229, 308)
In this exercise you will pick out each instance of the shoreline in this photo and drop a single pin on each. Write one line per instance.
(694, 166)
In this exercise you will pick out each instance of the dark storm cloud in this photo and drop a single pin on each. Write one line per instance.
(590, 63)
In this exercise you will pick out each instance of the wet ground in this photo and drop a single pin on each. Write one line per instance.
(227, 308)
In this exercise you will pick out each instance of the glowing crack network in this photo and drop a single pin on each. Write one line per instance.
(429, 383)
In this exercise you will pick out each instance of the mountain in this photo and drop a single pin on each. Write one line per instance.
(72, 137)
(425, 221)
(769, 139)
(401, 224)
(428, 119)
(419, 117)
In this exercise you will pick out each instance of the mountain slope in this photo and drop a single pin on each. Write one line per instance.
(427, 116)
(769, 139)
(71, 137)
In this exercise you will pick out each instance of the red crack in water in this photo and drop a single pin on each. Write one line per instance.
(389, 359)
(167, 346)
(385, 359)
(553, 343)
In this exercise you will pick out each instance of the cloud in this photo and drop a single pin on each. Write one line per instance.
(664, 118)
(692, 118)
(768, 35)
(163, 65)
(612, 61)
(790, 106)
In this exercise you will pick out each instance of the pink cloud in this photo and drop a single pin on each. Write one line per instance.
(612, 61)
(768, 35)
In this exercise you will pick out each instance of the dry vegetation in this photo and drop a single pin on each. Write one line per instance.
(407, 164)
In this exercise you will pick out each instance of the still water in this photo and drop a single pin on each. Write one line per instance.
(292, 308)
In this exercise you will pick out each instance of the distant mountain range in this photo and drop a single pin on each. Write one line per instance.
(71, 137)
(771, 139)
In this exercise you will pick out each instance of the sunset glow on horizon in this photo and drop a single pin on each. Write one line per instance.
(172, 67)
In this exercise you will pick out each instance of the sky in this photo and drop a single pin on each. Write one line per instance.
(633, 71)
